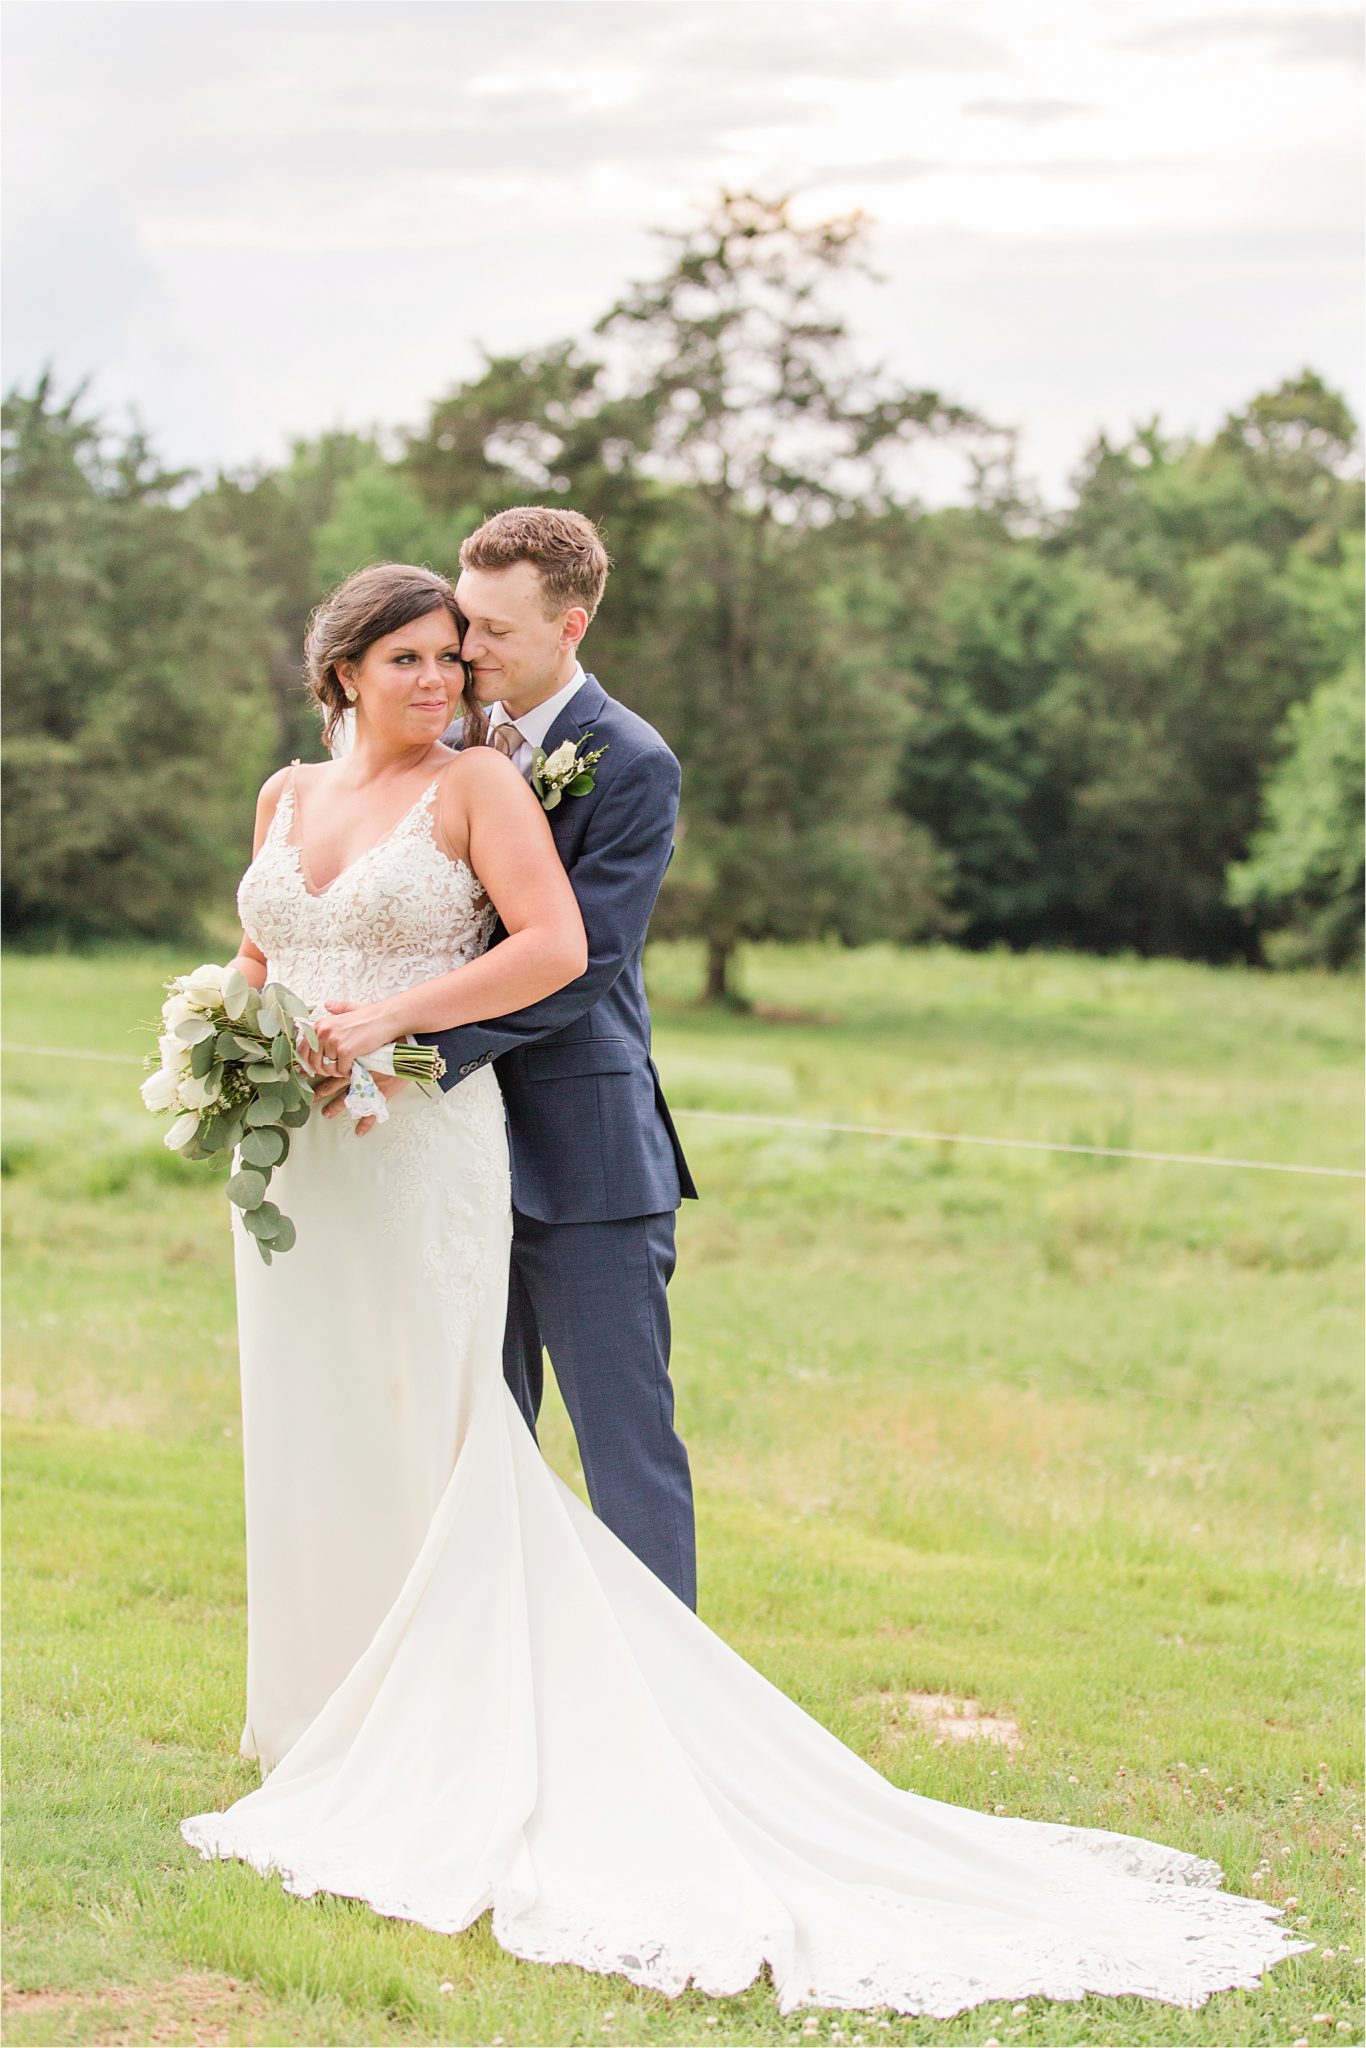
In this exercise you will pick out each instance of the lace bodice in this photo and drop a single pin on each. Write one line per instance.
(401, 913)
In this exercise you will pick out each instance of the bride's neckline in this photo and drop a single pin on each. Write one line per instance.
(297, 848)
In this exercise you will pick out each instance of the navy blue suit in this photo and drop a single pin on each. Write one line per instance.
(597, 1169)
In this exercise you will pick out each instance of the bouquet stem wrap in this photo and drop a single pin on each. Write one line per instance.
(407, 1062)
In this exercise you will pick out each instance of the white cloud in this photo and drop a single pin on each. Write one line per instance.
(261, 219)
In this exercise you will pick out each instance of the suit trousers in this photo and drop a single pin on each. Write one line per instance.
(594, 1296)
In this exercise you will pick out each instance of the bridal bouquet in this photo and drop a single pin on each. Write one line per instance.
(229, 1065)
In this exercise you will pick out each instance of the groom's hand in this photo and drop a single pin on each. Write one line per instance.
(330, 1095)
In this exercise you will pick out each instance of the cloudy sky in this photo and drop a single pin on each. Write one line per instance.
(250, 220)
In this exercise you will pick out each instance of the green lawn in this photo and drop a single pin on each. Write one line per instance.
(1077, 1440)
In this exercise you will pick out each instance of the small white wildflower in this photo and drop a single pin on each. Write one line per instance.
(1290, 1905)
(1327, 1954)
(1072, 1778)
(1018, 2012)
(446, 1988)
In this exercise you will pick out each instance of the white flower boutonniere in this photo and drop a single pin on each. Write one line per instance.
(566, 772)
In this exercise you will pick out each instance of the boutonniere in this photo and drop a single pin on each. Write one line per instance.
(566, 772)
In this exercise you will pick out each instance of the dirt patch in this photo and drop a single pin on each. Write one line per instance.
(198, 2008)
(949, 1719)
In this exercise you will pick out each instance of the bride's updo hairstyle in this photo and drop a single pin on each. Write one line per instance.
(363, 609)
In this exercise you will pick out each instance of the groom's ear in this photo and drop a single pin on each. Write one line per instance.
(574, 626)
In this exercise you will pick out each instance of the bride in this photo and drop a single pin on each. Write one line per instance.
(465, 1693)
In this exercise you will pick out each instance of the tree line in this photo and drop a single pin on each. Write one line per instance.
(1135, 723)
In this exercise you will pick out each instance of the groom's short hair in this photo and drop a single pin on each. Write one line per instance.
(564, 546)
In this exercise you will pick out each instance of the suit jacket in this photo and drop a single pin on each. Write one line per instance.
(589, 1131)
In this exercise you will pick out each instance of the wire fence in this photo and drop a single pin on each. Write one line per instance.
(903, 1133)
(1248, 1409)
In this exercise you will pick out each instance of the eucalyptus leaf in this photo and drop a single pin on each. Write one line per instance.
(288, 1001)
(265, 1147)
(246, 1188)
(262, 1070)
(269, 1018)
(283, 1240)
(228, 1046)
(191, 1029)
(262, 1250)
(235, 990)
(263, 1220)
(580, 786)
(552, 798)
(202, 1056)
(268, 1108)
(281, 1052)
(295, 1119)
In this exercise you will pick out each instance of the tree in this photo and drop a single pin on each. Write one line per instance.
(275, 516)
(135, 654)
(749, 404)
(1306, 864)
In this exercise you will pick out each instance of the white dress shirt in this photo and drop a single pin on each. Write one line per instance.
(533, 725)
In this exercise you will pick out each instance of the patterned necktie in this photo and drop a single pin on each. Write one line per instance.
(506, 738)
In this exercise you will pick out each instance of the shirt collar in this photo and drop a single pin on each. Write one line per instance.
(535, 724)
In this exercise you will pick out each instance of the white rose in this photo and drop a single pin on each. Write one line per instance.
(182, 1130)
(176, 1009)
(561, 759)
(197, 1092)
(204, 988)
(175, 1054)
(159, 1090)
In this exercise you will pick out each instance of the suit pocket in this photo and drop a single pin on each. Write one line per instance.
(585, 1056)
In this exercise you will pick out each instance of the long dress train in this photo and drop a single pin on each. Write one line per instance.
(469, 1695)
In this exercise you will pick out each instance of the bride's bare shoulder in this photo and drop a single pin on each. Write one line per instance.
(480, 774)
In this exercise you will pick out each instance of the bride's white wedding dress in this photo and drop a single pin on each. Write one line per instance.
(468, 1694)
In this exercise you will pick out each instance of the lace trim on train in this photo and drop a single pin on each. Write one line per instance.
(1183, 1940)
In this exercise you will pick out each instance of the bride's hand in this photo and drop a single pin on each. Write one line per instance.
(346, 1032)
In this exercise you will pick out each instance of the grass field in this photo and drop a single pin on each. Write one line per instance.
(1076, 1440)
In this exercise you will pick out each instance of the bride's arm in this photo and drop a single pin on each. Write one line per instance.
(487, 808)
(249, 960)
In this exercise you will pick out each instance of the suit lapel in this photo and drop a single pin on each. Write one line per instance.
(586, 704)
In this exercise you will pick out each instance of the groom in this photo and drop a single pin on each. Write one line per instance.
(597, 1169)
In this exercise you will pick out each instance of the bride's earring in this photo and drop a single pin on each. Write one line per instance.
(350, 690)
